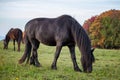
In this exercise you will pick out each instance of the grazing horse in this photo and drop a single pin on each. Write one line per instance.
(15, 35)
(61, 31)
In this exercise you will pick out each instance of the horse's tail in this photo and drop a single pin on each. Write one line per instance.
(23, 37)
(27, 51)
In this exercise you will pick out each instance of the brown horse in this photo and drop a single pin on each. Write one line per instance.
(14, 34)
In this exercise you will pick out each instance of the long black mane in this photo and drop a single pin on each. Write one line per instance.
(61, 31)
(81, 38)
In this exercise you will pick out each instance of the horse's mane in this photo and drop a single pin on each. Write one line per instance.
(80, 36)
(9, 32)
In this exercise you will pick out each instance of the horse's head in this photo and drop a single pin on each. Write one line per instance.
(90, 62)
(87, 61)
(5, 44)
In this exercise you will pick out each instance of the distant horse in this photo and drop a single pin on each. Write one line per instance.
(59, 32)
(15, 35)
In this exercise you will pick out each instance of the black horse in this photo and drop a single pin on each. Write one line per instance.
(15, 35)
(59, 32)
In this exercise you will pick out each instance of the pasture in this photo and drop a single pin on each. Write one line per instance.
(106, 66)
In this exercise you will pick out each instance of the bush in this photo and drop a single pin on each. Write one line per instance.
(111, 32)
(104, 31)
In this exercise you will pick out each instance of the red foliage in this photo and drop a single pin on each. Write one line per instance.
(88, 23)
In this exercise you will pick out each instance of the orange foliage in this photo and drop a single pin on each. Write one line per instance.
(95, 25)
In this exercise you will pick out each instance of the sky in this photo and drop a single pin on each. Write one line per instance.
(16, 13)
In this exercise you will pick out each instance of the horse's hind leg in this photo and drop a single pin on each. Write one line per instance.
(14, 44)
(34, 58)
(19, 42)
(18, 46)
(73, 57)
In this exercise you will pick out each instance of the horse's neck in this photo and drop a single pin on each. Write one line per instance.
(81, 39)
(7, 38)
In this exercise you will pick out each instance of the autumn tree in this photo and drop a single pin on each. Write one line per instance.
(88, 23)
(104, 31)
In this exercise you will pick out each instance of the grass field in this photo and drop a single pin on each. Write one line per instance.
(106, 66)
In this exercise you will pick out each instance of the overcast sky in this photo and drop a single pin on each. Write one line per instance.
(16, 13)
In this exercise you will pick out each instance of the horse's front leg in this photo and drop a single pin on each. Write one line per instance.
(73, 57)
(14, 44)
(57, 53)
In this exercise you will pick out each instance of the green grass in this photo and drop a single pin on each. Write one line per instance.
(106, 66)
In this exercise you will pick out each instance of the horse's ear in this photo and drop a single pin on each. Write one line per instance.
(92, 49)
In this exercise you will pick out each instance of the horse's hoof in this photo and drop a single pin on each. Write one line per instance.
(54, 67)
(32, 63)
(77, 70)
(38, 65)
(18, 50)
(20, 61)
(87, 71)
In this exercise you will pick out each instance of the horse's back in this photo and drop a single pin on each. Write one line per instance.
(49, 30)
(17, 32)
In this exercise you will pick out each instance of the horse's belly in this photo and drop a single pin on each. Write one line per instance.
(46, 41)
(49, 43)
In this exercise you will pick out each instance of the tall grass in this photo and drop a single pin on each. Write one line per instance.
(106, 66)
